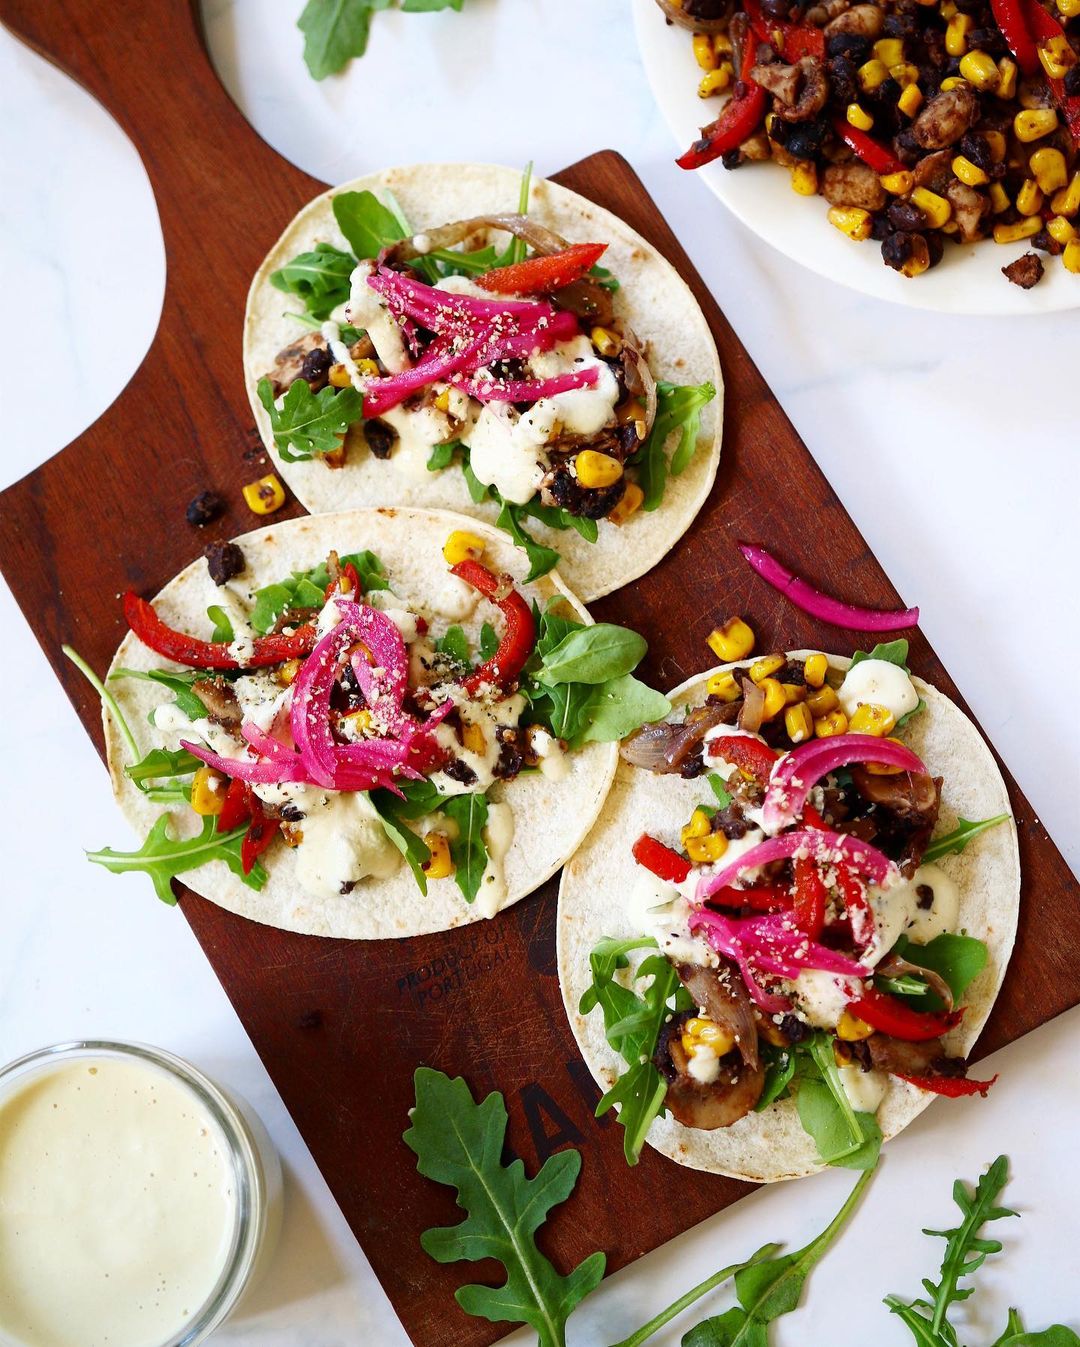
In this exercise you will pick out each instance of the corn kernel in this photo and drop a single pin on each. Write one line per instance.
(631, 501)
(872, 75)
(851, 1029)
(1071, 256)
(291, 833)
(597, 470)
(442, 402)
(357, 723)
(705, 53)
(936, 209)
(910, 101)
(1047, 167)
(859, 117)
(889, 50)
(948, 9)
(999, 198)
(956, 34)
(980, 70)
(339, 376)
(1067, 201)
(734, 640)
(462, 546)
(1013, 233)
(884, 768)
(804, 178)
(775, 701)
(871, 718)
(286, 673)
(722, 43)
(1057, 56)
(335, 458)
(822, 701)
(1061, 230)
(794, 692)
(700, 825)
(815, 669)
(996, 142)
(1034, 123)
(953, 82)
(950, 227)
(765, 666)
(367, 369)
(835, 722)
(439, 864)
(1006, 78)
(472, 739)
(852, 221)
(725, 686)
(904, 73)
(608, 343)
(705, 850)
(632, 410)
(1068, 9)
(208, 792)
(799, 723)
(266, 495)
(698, 1032)
(968, 172)
(898, 184)
(1029, 199)
(716, 81)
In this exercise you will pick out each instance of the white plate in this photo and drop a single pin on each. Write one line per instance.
(968, 279)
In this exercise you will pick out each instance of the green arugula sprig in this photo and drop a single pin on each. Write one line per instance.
(966, 1249)
(309, 423)
(321, 278)
(337, 31)
(164, 858)
(951, 844)
(306, 589)
(678, 409)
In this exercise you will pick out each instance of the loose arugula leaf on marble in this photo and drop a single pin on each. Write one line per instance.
(459, 1142)
(678, 409)
(320, 278)
(335, 31)
(163, 857)
(107, 699)
(309, 423)
(1016, 1335)
(468, 850)
(951, 844)
(770, 1288)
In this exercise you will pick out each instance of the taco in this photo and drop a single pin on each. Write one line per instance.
(787, 928)
(454, 336)
(365, 724)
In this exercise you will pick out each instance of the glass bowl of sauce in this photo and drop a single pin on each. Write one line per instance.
(138, 1201)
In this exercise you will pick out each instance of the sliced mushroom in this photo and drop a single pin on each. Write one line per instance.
(946, 117)
(730, 1097)
(721, 993)
(853, 185)
(697, 16)
(778, 79)
(859, 21)
(813, 94)
(667, 745)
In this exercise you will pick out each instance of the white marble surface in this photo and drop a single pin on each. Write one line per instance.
(951, 441)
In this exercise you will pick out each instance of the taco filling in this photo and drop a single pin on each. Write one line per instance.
(488, 346)
(327, 716)
(801, 940)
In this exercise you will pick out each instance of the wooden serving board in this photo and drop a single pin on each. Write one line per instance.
(339, 1025)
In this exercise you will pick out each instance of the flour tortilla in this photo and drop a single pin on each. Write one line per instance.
(550, 817)
(653, 300)
(768, 1146)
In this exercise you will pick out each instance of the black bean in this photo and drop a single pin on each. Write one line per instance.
(458, 770)
(380, 437)
(1046, 243)
(901, 25)
(851, 45)
(731, 159)
(805, 139)
(223, 561)
(977, 149)
(843, 80)
(880, 228)
(907, 216)
(935, 245)
(776, 9)
(895, 250)
(316, 366)
(204, 509)
(1072, 80)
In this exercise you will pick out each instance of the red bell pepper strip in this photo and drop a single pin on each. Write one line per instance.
(543, 274)
(753, 758)
(952, 1087)
(767, 898)
(196, 654)
(661, 860)
(261, 832)
(813, 819)
(853, 893)
(739, 119)
(236, 809)
(1043, 28)
(872, 152)
(1009, 16)
(809, 893)
(890, 1016)
(520, 635)
(792, 40)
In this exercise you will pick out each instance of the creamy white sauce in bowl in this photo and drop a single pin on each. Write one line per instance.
(137, 1200)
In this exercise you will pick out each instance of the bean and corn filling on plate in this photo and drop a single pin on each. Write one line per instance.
(917, 122)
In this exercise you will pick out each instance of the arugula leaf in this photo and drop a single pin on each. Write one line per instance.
(455, 644)
(489, 641)
(951, 844)
(467, 849)
(421, 798)
(106, 696)
(965, 1252)
(180, 684)
(618, 707)
(368, 225)
(320, 278)
(429, 6)
(678, 408)
(779, 1071)
(305, 589)
(459, 1143)
(593, 654)
(719, 789)
(161, 762)
(541, 559)
(309, 423)
(632, 1024)
(334, 32)
(223, 627)
(959, 959)
(907, 985)
(771, 1288)
(1015, 1335)
(163, 858)
(415, 850)
(892, 652)
(442, 455)
(843, 1136)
